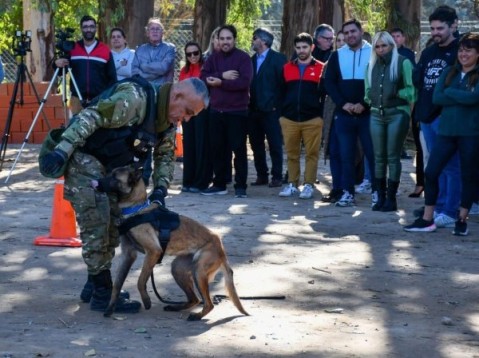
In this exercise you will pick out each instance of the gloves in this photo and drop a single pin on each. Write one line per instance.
(158, 195)
(53, 161)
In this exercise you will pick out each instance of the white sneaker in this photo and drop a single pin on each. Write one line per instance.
(374, 198)
(474, 209)
(307, 192)
(443, 220)
(346, 200)
(364, 187)
(288, 190)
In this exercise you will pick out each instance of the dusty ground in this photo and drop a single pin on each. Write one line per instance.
(395, 290)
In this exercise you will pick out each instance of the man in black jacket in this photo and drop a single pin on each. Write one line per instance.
(265, 90)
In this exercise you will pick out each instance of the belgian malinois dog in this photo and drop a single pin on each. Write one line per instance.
(199, 252)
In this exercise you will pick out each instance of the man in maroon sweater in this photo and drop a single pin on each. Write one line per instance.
(228, 74)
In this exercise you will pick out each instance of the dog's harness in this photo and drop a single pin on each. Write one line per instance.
(162, 219)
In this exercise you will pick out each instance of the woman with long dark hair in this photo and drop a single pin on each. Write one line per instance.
(457, 92)
(197, 168)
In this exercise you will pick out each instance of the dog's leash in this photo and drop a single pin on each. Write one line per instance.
(216, 298)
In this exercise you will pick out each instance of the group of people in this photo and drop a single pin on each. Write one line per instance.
(342, 86)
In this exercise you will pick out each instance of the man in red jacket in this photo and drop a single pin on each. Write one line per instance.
(301, 120)
(92, 66)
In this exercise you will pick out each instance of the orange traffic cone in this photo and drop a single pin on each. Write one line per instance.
(63, 231)
(179, 143)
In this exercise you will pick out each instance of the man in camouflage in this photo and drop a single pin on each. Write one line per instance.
(116, 116)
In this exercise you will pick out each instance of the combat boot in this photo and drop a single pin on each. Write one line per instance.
(87, 291)
(102, 287)
(391, 201)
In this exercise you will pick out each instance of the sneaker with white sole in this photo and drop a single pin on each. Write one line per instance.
(421, 225)
(307, 192)
(288, 190)
(460, 228)
(214, 190)
(364, 188)
(443, 220)
(346, 200)
(474, 209)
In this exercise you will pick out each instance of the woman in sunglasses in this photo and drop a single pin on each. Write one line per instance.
(197, 168)
(390, 93)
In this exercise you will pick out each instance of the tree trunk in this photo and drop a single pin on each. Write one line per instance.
(326, 12)
(133, 20)
(298, 16)
(40, 22)
(208, 14)
(406, 14)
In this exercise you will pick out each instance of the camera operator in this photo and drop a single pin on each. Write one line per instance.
(92, 66)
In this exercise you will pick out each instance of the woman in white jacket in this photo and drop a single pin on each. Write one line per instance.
(122, 54)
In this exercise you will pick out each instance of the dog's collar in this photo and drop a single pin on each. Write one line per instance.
(134, 209)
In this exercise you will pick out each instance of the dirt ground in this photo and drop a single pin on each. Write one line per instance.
(355, 284)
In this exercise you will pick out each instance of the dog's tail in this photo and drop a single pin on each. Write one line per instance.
(231, 289)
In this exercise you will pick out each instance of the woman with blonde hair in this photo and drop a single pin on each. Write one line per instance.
(390, 93)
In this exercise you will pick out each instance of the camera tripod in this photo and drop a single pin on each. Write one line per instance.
(40, 109)
(22, 72)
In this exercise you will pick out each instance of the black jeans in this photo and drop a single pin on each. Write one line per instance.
(443, 150)
(197, 166)
(261, 125)
(228, 133)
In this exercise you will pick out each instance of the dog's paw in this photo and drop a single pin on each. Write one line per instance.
(170, 308)
(194, 317)
(147, 303)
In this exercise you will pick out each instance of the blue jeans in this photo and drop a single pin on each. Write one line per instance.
(446, 147)
(349, 129)
(449, 196)
(335, 159)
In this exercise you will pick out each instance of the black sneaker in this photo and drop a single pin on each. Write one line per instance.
(333, 196)
(240, 193)
(421, 225)
(460, 229)
(214, 190)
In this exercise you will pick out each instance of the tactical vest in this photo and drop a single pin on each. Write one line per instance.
(113, 147)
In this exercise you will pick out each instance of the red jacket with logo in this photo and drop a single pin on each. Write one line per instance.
(302, 93)
(94, 72)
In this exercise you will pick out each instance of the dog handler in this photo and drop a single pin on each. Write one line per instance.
(114, 131)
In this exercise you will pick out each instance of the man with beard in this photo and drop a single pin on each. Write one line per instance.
(92, 66)
(434, 59)
(344, 82)
(228, 74)
(300, 119)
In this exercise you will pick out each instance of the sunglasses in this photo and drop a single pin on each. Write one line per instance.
(194, 53)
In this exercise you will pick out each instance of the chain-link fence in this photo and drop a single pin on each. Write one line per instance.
(9, 66)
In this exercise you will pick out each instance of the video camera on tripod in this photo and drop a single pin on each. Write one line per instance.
(63, 45)
(22, 42)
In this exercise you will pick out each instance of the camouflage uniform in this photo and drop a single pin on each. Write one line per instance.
(97, 212)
